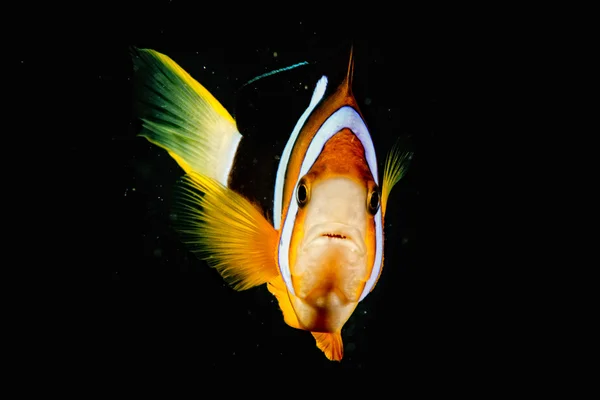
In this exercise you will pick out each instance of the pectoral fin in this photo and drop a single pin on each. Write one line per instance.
(396, 164)
(226, 230)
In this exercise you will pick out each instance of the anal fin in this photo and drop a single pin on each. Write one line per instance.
(331, 344)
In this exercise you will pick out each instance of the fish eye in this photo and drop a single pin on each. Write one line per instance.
(302, 194)
(373, 201)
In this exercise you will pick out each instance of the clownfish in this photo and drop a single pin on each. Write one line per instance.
(323, 252)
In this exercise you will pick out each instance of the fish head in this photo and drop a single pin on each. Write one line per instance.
(330, 251)
(333, 243)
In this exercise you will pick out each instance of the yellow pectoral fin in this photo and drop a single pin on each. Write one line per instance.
(278, 289)
(226, 230)
(331, 344)
(396, 164)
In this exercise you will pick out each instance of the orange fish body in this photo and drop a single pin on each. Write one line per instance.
(324, 252)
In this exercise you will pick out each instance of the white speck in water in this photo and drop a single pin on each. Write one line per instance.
(275, 54)
(306, 87)
(204, 67)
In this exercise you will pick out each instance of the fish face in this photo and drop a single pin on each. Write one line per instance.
(333, 253)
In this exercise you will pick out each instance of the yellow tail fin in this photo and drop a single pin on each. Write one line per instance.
(227, 230)
(181, 116)
(396, 164)
(331, 344)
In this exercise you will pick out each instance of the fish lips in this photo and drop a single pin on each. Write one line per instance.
(338, 233)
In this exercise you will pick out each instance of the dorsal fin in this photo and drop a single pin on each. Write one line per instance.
(347, 83)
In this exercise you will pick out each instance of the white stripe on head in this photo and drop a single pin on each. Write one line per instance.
(345, 117)
(378, 256)
(285, 157)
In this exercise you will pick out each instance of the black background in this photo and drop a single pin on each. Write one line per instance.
(431, 312)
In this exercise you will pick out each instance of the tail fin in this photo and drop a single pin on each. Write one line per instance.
(182, 117)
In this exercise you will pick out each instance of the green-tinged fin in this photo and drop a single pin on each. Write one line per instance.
(181, 116)
(226, 230)
(396, 164)
(330, 344)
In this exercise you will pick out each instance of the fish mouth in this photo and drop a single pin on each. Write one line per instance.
(335, 235)
(333, 232)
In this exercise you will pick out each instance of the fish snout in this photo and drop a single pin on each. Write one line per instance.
(329, 233)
